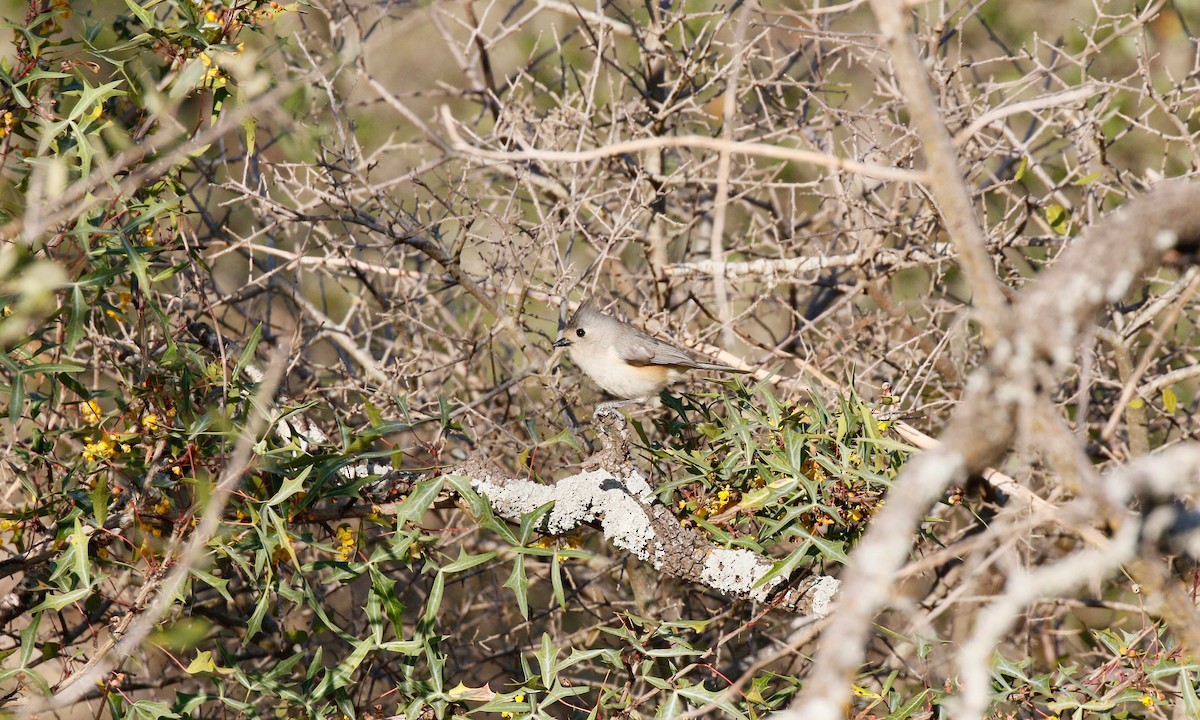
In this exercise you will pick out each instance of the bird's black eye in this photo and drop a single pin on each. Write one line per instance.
(580, 332)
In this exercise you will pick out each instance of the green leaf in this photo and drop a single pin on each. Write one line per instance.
(556, 582)
(519, 583)
(137, 264)
(547, 656)
(1187, 693)
(144, 16)
(254, 624)
(374, 416)
(1058, 218)
(466, 562)
(247, 355)
(907, 710)
(434, 602)
(385, 588)
(61, 600)
(419, 501)
(16, 398)
(1170, 401)
(290, 487)
(79, 310)
(250, 126)
(1021, 168)
(785, 567)
(149, 710)
(221, 585)
(54, 368)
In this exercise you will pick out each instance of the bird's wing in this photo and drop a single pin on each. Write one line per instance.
(642, 349)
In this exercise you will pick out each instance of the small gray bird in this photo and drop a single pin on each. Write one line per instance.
(624, 360)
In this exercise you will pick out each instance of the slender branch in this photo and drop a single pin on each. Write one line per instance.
(945, 176)
(879, 172)
(776, 267)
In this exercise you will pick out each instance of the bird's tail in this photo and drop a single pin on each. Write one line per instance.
(718, 368)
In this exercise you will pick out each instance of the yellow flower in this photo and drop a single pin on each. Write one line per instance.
(100, 449)
(345, 536)
(205, 59)
(150, 421)
(90, 411)
(1147, 701)
(210, 16)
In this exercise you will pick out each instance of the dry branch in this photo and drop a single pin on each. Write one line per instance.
(1039, 337)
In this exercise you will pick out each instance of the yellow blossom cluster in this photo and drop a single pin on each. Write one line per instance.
(714, 505)
(565, 542)
(345, 538)
(107, 445)
(101, 448)
(91, 412)
(213, 76)
(7, 122)
(123, 300)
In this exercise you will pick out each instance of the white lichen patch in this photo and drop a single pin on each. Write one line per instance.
(736, 571)
(579, 499)
(363, 469)
(821, 595)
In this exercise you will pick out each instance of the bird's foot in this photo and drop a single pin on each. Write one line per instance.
(609, 409)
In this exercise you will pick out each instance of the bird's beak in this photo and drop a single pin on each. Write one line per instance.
(562, 342)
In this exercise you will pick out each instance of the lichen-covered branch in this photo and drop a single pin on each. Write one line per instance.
(623, 505)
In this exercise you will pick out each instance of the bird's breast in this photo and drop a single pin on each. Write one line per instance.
(620, 378)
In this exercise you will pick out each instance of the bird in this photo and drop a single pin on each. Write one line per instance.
(622, 359)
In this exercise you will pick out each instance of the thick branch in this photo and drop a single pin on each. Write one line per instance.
(633, 519)
(1040, 336)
